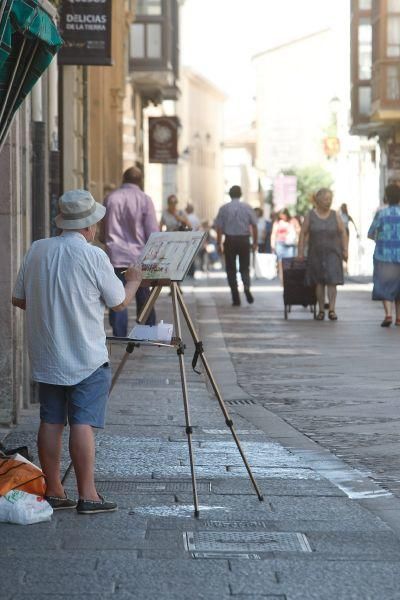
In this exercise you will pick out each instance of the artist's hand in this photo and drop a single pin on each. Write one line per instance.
(134, 273)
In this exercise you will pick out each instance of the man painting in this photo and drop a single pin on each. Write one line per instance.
(64, 284)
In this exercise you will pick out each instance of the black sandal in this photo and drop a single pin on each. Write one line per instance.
(320, 316)
(332, 315)
(387, 321)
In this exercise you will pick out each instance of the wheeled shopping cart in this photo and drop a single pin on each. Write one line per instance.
(295, 292)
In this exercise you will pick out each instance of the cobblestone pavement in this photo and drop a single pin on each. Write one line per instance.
(324, 530)
(336, 382)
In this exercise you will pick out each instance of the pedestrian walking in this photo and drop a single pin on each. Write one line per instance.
(261, 230)
(193, 219)
(324, 234)
(347, 219)
(130, 220)
(173, 219)
(195, 225)
(235, 220)
(63, 285)
(283, 238)
(385, 231)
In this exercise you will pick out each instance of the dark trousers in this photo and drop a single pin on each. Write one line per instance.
(119, 320)
(237, 246)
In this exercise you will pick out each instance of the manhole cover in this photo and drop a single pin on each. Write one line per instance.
(153, 487)
(251, 541)
(240, 402)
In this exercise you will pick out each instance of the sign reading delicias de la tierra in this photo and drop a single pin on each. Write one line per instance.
(163, 140)
(85, 27)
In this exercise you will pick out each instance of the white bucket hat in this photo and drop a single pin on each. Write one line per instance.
(78, 209)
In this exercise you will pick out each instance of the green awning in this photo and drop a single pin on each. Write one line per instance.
(29, 39)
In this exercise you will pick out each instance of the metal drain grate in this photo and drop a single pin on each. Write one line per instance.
(240, 525)
(226, 555)
(154, 487)
(241, 402)
(245, 542)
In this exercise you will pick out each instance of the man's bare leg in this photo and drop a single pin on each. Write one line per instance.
(49, 447)
(82, 451)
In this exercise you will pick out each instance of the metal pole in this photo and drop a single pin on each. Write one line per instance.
(189, 430)
(214, 385)
(85, 127)
(2, 9)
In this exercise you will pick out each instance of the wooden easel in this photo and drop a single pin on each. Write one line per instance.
(177, 343)
(178, 303)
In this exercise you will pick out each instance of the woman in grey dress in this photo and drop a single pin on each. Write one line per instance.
(324, 234)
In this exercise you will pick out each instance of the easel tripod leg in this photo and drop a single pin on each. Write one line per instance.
(189, 430)
(216, 390)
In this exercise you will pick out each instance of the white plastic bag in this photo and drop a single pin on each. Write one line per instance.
(23, 508)
(265, 266)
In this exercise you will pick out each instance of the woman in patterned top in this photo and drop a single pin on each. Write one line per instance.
(385, 231)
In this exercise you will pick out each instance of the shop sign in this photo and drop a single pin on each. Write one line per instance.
(331, 146)
(85, 26)
(163, 140)
(285, 191)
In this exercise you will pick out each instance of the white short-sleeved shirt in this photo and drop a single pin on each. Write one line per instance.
(235, 218)
(66, 283)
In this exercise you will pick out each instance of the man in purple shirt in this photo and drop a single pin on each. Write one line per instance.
(128, 223)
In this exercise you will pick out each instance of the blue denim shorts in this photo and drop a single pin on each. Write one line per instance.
(81, 404)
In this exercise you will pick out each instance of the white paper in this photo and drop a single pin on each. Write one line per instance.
(158, 333)
(168, 255)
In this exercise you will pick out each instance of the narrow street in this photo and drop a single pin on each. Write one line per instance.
(336, 382)
(294, 390)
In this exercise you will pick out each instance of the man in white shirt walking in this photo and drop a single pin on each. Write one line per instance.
(64, 285)
(235, 220)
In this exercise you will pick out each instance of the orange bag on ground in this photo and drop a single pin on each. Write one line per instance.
(17, 473)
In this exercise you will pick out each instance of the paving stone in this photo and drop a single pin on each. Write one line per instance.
(68, 583)
(15, 536)
(300, 580)
(100, 537)
(279, 487)
(344, 546)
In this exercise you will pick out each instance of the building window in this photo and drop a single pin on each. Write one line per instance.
(394, 6)
(393, 82)
(364, 101)
(365, 5)
(364, 49)
(149, 8)
(154, 40)
(146, 41)
(393, 36)
(138, 40)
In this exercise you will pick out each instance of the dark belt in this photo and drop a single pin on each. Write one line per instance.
(235, 237)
